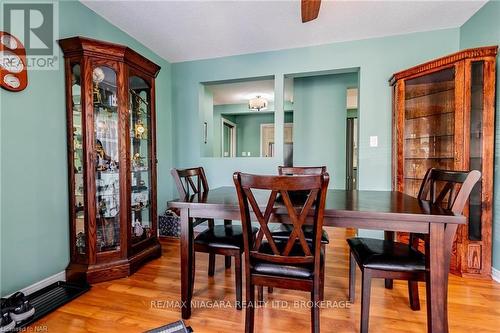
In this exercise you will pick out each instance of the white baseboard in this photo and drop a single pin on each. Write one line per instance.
(495, 274)
(61, 276)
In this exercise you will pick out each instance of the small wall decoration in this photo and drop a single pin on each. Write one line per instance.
(13, 66)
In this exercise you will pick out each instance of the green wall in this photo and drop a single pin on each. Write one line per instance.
(248, 126)
(248, 132)
(377, 59)
(34, 223)
(480, 30)
(320, 123)
(208, 148)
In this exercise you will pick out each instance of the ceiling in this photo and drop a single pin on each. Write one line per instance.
(192, 30)
(241, 92)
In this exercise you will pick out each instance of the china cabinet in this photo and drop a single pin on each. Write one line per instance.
(443, 117)
(110, 92)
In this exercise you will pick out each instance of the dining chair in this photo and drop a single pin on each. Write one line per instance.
(283, 230)
(293, 263)
(388, 259)
(226, 240)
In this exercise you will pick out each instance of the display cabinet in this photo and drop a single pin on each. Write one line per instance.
(444, 118)
(110, 91)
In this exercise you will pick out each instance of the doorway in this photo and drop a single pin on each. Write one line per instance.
(352, 154)
(228, 138)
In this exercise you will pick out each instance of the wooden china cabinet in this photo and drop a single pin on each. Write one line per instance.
(443, 117)
(110, 101)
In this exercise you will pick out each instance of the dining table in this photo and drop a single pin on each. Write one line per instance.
(390, 211)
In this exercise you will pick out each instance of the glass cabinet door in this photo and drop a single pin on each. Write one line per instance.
(476, 147)
(106, 127)
(140, 153)
(429, 122)
(79, 189)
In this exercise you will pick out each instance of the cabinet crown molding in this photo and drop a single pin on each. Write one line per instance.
(78, 45)
(486, 51)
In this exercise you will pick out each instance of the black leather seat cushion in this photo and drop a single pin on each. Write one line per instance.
(230, 236)
(303, 271)
(282, 232)
(386, 255)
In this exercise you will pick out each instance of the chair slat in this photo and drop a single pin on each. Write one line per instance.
(316, 185)
(298, 222)
(452, 189)
(261, 219)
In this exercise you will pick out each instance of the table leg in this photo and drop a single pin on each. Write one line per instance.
(437, 279)
(227, 259)
(186, 262)
(389, 235)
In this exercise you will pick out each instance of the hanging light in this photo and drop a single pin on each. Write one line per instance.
(258, 103)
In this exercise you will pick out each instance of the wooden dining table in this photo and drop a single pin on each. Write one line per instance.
(389, 211)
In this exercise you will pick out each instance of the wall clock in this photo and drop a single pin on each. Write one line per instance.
(13, 68)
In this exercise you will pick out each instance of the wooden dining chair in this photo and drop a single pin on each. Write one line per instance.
(283, 230)
(388, 259)
(293, 263)
(226, 240)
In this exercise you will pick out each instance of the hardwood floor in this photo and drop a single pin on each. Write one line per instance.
(148, 298)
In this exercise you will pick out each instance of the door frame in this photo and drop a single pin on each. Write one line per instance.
(232, 152)
(271, 125)
(262, 126)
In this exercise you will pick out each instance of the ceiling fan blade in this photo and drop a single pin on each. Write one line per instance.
(310, 10)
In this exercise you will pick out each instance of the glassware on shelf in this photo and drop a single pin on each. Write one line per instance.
(78, 188)
(140, 141)
(106, 127)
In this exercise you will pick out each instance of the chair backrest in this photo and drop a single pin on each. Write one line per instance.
(309, 253)
(448, 189)
(316, 170)
(187, 180)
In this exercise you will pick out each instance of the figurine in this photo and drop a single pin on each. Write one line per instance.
(103, 160)
(140, 131)
(147, 231)
(113, 166)
(102, 207)
(97, 76)
(138, 100)
(140, 200)
(80, 242)
(79, 207)
(137, 161)
(138, 230)
(138, 206)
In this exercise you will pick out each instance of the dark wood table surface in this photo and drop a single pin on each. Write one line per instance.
(381, 210)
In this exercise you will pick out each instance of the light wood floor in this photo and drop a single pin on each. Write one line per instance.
(140, 302)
